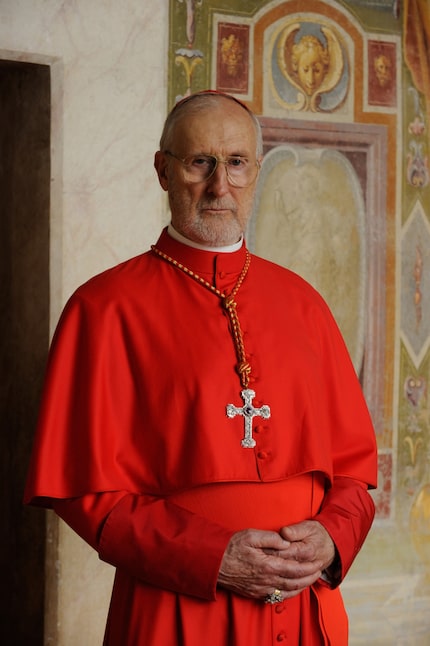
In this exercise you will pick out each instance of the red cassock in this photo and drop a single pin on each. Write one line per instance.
(134, 448)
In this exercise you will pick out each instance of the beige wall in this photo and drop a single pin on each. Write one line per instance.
(108, 74)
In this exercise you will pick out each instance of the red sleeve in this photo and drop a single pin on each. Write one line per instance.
(153, 540)
(347, 514)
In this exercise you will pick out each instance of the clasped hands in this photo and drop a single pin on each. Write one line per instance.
(257, 562)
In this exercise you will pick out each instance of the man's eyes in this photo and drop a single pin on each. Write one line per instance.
(237, 162)
(202, 161)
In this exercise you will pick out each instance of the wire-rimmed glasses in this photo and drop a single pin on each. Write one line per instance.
(241, 171)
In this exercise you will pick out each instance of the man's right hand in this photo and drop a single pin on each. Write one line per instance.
(257, 562)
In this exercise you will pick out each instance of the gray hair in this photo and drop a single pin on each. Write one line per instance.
(193, 104)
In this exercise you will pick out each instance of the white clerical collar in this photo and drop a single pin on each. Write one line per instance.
(180, 238)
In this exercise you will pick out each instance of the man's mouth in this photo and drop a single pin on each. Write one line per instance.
(217, 208)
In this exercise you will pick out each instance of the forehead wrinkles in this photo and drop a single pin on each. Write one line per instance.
(216, 130)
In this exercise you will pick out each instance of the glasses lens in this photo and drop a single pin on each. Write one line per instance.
(198, 168)
(241, 171)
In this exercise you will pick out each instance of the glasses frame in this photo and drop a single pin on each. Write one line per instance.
(218, 160)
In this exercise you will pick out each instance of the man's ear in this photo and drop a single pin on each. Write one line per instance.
(160, 165)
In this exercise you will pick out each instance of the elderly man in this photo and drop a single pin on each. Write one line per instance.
(202, 426)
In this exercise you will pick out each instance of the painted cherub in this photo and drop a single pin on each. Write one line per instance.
(310, 64)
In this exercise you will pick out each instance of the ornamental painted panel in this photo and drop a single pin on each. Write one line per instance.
(309, 66)
(415, 305)
(232, 58)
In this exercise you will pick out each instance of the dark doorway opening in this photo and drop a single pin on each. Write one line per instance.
(25, 113)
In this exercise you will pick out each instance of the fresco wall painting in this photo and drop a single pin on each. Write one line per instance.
(343, 199)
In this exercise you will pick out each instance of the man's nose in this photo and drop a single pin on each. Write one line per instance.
(218, 183)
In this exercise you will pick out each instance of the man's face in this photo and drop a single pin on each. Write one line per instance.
(212, 212)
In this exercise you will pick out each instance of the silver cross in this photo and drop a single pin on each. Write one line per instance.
(249, 412)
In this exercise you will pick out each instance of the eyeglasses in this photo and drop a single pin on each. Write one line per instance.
(241, 172)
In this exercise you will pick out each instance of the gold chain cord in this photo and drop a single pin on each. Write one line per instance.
(229, 303)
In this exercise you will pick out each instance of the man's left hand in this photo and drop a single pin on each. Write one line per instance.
(310, 546)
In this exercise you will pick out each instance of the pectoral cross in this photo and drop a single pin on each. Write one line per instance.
(248, 411)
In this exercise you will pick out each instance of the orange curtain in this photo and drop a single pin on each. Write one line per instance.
(416, 40)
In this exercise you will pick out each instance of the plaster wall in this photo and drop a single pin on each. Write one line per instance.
(108, 86)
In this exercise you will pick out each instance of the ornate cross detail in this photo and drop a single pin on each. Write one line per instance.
(248, 411)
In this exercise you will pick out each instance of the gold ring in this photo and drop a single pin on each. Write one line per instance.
(275, 597)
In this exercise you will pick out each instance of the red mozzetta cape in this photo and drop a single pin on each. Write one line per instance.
(141, 368)
(142, 365)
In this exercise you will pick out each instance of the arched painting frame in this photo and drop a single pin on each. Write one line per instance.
(310, 217)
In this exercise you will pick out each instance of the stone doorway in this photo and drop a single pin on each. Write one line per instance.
(25, 113)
